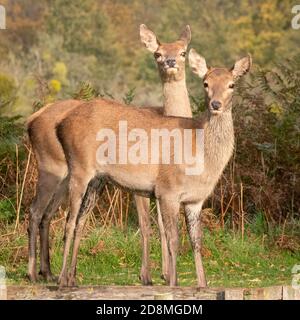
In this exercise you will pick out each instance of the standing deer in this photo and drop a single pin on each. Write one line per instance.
(170, 58)
(168, 183)
(52, 167)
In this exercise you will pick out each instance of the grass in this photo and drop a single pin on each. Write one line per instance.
(113, 257)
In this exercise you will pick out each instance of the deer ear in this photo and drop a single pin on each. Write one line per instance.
(148, 38)
(241, 67)
(186, 35)
(197, 63)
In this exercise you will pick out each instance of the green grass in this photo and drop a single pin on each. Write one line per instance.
(113, 257)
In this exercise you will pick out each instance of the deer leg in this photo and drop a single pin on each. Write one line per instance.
(164, 247)
(53, 206)
(143, 209)
(71, 280)
(77, 189)
(192, 215)
(169, 211)
(95, 188)
(47, 182)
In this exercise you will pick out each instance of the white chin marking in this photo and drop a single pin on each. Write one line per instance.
(172, 70)
(215, 112)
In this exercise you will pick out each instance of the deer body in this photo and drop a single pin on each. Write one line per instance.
(169, 183)
(52, 166)
(148, 179)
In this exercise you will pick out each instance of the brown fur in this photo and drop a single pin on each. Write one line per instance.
(169, 183)
(52, 166)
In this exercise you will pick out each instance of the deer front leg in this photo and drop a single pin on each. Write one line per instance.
(193, 221)
(143, 210)
(164, 246)
(71, 281)
(169, 211)
(95, 188)
(77, 189)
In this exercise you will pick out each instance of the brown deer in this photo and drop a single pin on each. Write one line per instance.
(52, 168)
(170, 58)
(169, 183)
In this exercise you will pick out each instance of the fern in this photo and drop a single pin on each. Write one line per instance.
(129, 96)
(86, 92)
(198, 104)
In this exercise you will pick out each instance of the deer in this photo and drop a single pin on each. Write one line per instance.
(170, 58)
(169, 183)
(52, 186)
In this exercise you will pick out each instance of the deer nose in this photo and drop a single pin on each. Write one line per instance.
(216, 105)
(171, 63)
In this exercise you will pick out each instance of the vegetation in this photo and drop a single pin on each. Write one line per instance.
(85, 49)
(62, 44)
(113, 256)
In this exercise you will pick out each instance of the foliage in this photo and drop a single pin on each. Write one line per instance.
(113, 257)
(10, 135)
(270, 132)
(98, 41)
(129, 96)
(7, 211)
(55, 86)
(8, 91)
(86, 92)
(60, 72)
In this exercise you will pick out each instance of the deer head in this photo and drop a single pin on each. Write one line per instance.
(170, 57)
(218, 82)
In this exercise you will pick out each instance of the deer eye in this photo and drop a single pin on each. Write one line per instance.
(231, 86)
(157, 55)
(205, 85)
(183, 54)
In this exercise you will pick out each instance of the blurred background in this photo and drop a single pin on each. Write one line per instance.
(59, 49)
(68, 42)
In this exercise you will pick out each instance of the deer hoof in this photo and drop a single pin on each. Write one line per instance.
(62, 281)
(72, 281)
(146, 280)
(32, 277)
(48, 276)
(166, 277)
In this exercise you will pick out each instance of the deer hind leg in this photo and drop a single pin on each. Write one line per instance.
(169, 211)
(78, 185)
(193, 221)
(46, 185)
(143, 210)
(93, 191)
(57, 199)
(164, 247)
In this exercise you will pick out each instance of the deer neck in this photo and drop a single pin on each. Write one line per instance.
(176, 99)
(218, 141)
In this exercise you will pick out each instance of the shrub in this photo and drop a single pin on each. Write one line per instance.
(8, 91)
